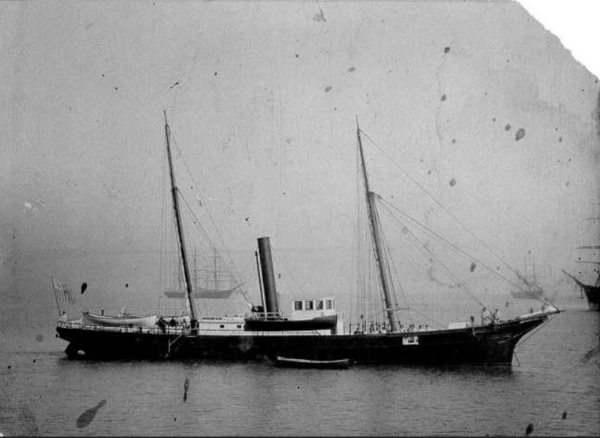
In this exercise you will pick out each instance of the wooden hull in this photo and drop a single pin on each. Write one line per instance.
(286, 362)
(489, 344)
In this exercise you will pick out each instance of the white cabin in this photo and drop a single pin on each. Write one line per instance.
(307, 308)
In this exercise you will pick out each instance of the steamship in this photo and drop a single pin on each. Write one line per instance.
(312, 331)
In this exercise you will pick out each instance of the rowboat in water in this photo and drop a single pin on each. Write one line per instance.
(286, 362)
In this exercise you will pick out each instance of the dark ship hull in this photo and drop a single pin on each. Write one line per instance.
(592, 294)
(488, 344)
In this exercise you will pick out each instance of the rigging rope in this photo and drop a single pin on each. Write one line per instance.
(442, 240)
(421, 247)
(230, 266)
(439, 204)
(196, 187)
(402, 289)
(424, 250)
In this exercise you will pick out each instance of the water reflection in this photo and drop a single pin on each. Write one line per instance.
(549, 387)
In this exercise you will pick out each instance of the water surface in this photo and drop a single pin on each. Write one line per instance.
(44, 393)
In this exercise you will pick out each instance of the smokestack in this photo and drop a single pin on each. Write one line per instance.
(268, 276)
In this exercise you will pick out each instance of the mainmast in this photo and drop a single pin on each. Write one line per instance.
(378, 246)
(186, 269)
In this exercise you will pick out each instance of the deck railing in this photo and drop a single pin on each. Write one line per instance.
(265, 315)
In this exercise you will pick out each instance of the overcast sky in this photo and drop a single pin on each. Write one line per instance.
(474, 100)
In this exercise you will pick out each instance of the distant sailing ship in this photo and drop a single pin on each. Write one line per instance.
(211, 281)
(528, 287)
(313, 331)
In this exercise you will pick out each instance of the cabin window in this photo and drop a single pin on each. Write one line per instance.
(222, 326)
(239, 326)
(329, 304)
(309, 305)
(297, 305)
(320, 305)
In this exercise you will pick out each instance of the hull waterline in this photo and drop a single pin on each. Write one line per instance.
(489, 344)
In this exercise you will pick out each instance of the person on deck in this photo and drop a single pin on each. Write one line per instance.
(485, 316)
(194, 326)
(162, 325)
(545, 307)
(495, 316)
(63, 317)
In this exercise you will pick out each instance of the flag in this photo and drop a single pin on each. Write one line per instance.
(63, 292)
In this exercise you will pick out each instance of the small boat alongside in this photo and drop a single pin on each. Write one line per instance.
(286, 362)
(124, 319)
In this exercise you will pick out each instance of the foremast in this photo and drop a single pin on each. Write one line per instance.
(384, 274)
(183, 253)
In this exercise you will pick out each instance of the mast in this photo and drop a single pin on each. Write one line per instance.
(376, 235)
(186, 269)
(215, 268)
(195, 269)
